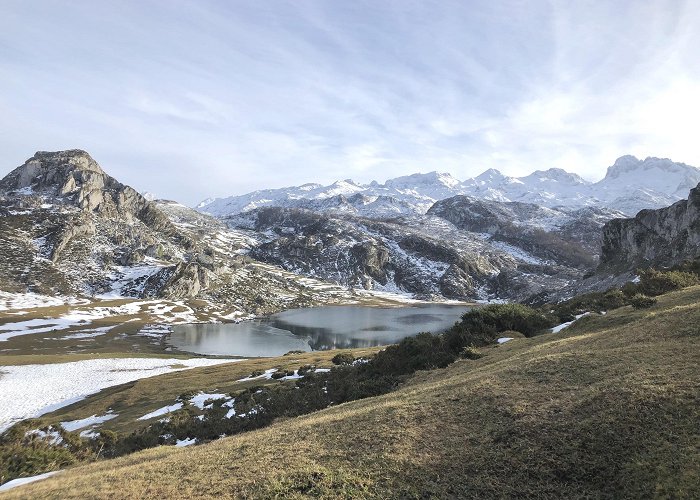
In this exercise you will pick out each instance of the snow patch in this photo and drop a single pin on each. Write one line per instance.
(33, 390)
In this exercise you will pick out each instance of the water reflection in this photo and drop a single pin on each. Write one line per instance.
(316, 328)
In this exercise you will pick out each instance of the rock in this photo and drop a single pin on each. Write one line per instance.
(663, 237)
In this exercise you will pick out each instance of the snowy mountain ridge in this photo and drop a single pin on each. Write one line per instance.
(629, 186)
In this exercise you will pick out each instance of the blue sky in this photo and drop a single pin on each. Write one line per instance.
(192, 99)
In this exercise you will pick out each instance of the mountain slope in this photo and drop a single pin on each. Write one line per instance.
(630, 185)
(431, 256)
(69, 229)
(605, 409)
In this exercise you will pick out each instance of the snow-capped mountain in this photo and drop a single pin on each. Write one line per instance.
(630, 185)
(68, 228)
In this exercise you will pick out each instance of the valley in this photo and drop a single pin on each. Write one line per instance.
(151, 323)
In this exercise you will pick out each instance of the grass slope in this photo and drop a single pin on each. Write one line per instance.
(607, 408)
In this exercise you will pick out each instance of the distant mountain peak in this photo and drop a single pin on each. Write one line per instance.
(434, 177)
(630, 185)
(490, 175)
(558, 175)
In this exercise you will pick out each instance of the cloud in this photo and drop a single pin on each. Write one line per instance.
(199, 99)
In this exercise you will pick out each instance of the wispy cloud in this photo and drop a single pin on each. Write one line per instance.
(194, 99)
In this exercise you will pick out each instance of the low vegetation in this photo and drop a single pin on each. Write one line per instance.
(354, 378)
(605, 409)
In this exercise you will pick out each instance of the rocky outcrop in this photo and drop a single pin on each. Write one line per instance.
(663, 237)
(73, 176)
(422, 255)
(565, 235)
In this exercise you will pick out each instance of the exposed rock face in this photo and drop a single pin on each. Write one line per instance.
(663, 237)
(423, 255)
(74, 177)
(564, 235)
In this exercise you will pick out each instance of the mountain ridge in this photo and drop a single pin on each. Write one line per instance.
(629, 185)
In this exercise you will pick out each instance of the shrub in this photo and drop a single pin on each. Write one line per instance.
(343, 358)
(304, 370)
(630, 289)
(471, 352)
(653, 282)
(595, 302)
(420, 352)
(498, 318)
(642, 301)
(282, 373)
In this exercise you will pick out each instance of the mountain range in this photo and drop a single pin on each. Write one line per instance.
(629, 185)
(68, 228)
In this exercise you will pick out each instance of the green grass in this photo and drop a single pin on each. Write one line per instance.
(608, 408)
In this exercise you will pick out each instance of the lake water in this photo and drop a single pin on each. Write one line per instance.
(317, 328)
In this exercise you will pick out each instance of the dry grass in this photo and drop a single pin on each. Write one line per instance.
(606, 409)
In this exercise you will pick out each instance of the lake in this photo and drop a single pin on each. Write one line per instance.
(316, 328)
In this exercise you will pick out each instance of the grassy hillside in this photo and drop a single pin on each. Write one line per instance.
(607, 408)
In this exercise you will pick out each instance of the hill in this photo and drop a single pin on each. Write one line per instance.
(606, 408)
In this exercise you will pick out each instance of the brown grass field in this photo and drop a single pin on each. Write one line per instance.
(608, 408)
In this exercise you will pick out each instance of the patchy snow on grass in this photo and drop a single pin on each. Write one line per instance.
(22, 301)
(292, 377)
(26, 480)
(162, 411)
(32, 390)
(559, 328)
(200, 399)
(51, 436)
(503, 340)
(185, 442)
(266, 375)
(74, 425)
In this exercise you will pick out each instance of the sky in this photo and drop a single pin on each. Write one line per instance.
(197, 99)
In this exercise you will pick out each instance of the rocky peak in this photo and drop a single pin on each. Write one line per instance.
(73, 176)
(557, 175)
(490, 175)
(629, 164)
(53, 171)
(431, 178)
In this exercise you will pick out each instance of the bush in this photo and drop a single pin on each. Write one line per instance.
(498, 318)
(642, 302)
(471, 352)
(630, 289)
(306, 369)
(421, 352)
(343, 358)
(653, 282)
(23, 454)
(282, 373)
(589, 302)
